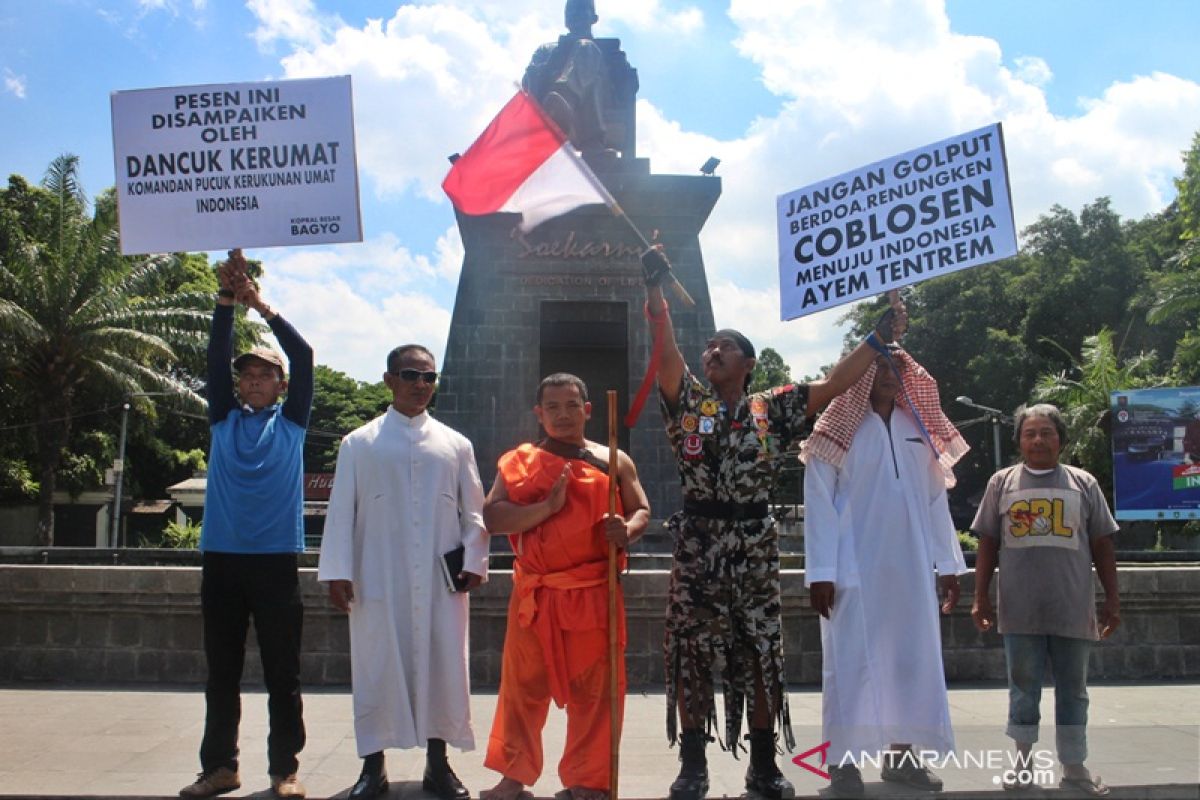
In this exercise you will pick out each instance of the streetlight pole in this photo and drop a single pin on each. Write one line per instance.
(119, 479)
(119, 466)
(996, 416)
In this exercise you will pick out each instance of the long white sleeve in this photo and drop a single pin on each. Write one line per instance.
(943, 537)
(821, 523)
(337, 544)
(470, 506)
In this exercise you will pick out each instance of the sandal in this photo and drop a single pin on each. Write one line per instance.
(1091, 785)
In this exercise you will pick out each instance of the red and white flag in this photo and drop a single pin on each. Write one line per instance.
(522, 164)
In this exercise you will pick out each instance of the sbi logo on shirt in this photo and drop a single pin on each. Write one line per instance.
(1038, 517)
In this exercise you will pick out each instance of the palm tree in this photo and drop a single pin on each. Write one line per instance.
(1175, 298)
(1086, 401)
(80, 319)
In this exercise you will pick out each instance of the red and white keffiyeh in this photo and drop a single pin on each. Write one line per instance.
(834, 431)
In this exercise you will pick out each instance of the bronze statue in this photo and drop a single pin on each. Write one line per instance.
(570, 79)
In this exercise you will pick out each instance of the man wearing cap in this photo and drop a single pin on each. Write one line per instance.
(406, 495)
(724, 604)
(876, 527)
(252, 531)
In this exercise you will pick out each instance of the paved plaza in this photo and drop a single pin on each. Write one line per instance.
(105, 742)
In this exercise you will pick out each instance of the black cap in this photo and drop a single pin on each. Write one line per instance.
(742, 342)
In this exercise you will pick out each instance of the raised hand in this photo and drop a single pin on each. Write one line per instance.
(894, 322)
(655, 266)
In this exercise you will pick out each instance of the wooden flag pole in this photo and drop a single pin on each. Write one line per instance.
(614, 641)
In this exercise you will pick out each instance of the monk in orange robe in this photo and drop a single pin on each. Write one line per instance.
(552, 499)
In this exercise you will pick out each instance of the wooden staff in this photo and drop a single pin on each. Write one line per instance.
(614, 640)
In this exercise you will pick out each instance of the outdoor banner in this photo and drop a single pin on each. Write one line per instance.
(236, 165)
(1156, 453)
(924, 213)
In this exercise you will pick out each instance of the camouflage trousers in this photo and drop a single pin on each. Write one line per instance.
(724, 621)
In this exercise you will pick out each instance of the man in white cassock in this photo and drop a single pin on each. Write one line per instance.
(406, 492)
(877, 526)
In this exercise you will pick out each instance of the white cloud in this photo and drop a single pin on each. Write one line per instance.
(426, 82)
(651, 16)
(15, 84)
(1033, 70)
(294, 21)
(383, 256)
(148, 6)
(859, 83)
(354, 302)
(855, 82)
(353, 332)
(449, 254)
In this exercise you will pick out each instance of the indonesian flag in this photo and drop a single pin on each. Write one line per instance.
(522, 164)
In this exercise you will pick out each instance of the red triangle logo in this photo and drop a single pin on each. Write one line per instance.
(800, 762)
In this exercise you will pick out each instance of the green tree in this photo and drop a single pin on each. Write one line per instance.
(340, 404)
(1175, 293)
(769, 370)
(79, 319)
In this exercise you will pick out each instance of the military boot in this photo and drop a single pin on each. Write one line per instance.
(692, 783)
(763, 776)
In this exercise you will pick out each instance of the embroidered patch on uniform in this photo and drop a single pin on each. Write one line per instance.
(758, 406)
(688, 422)
(707, 424)
(693, 445)
(708, 407)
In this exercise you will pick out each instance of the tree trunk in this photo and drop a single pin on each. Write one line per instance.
(54, 426)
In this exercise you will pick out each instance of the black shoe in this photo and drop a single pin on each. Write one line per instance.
(370, 785)
(912, 775)
(846, 782)
(444, 783)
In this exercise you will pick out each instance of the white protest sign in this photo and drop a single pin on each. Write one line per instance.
(236, 165)
(924, 213)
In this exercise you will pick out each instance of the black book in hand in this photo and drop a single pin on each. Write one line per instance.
(452, 567)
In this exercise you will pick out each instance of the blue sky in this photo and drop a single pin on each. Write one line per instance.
(1097, 98)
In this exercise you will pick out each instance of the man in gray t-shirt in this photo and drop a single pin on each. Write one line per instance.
(1048, 523)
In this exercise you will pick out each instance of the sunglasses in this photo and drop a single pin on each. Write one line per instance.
(412, 375)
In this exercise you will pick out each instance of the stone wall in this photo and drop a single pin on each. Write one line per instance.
(121, 624)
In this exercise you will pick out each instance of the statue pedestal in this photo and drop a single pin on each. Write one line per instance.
(568, 297)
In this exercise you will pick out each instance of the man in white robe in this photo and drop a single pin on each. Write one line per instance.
(877, 526)
(406, 492)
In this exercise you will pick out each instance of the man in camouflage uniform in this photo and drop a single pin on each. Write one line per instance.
(723, 614)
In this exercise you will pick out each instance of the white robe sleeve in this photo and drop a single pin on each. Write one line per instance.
(470, 513)
(821, 522)
(943, 537)
(337, 543)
